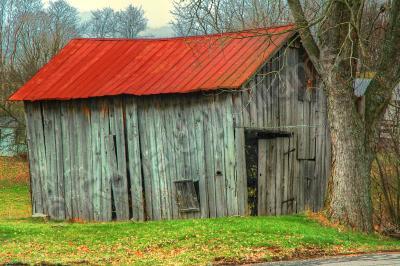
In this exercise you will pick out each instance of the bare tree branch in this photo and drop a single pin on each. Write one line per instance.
(381, 88)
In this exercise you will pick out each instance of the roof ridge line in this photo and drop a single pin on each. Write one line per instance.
(185, 37)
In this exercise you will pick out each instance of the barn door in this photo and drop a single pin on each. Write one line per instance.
(274, 187)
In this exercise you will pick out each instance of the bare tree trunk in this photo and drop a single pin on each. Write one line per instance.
(349, 197)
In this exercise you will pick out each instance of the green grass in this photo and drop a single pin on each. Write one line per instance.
(14, 201)
(185, 242)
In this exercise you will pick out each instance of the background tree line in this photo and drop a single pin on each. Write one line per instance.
(32, 33)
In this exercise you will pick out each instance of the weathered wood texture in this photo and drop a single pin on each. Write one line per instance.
(122, 157)
(293, 171)
(119, 158)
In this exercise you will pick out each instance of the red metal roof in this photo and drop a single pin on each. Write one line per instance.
(104, 67)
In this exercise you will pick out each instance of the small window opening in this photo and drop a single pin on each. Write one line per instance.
(187, 195)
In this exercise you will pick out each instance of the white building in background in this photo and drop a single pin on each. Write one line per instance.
(392, 116)
(9, 144)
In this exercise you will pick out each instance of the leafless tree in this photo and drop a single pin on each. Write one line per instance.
(63, 24)
(102, 23)
(13, 17)
(130, 22)
(193, 17)
(43, 35)
(386, 170)
(106, 23)
(29, 36)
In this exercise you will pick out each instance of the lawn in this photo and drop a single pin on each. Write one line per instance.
(186, 242)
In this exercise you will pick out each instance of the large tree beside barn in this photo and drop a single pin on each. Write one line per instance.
(343, 38)
(338, 53)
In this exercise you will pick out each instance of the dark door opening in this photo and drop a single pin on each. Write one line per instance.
(264, 155)
(252, 171)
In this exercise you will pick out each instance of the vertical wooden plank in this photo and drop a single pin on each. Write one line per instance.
(246, 102)
(89, 176)
(170, 125)
(114, 174)
(286, 176)
(35, 176)
(238, 108)
(71, 175)
(260, 98)
(309, 194)
(209, 112)
(293, 177)
(82, 116)
(134, 161)
(119, 180)
(264, 93)
(253, 102)
(218, 141)
(156, 195)
(188, 107)
(262, 187)
(274, 94)
(191, 144)
(106, 206)
(271, 177)
(184, 125)
(96, 160)
(268, 98)
(280, 165)
(287, 108)
(60, 160)
(160, 140)
(313, 122)
(51, 159)
(198, 115)
(229, 156)
(169, 167)
(143, 108)
(77, 166)
(177, 139)
(278, 175)
(40, 141)
(44, 165)
(297, 107)
(241, 171)
(302, 186)
(182, 162)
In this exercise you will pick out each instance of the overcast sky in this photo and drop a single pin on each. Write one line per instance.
(157, 11)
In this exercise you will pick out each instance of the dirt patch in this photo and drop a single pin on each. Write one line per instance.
(302, 253)
(14, 170)
(269, 254)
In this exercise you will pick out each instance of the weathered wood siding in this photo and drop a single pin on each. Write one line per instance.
(136, 157)
(276, 99)
(118, 157)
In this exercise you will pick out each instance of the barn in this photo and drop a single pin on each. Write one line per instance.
(190, 127)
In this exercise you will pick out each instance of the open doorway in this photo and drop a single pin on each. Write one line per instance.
(252, 171)
(265, 152)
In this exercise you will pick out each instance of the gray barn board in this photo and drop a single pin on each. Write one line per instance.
(179, 156)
